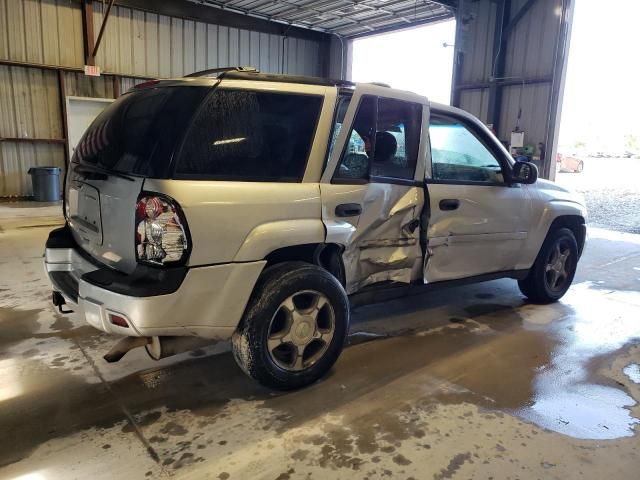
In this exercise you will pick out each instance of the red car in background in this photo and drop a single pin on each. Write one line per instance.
(569, 163)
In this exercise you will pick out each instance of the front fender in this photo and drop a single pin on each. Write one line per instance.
(270, 236)
(551, 210)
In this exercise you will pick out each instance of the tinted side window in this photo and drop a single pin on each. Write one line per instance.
(137, 133)
(354, 164)
(251, 136)
(458, 155)
(341, 111)
(397, 139)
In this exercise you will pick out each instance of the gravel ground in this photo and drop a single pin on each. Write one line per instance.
(611, 187)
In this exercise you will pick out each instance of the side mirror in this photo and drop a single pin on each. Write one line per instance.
(524, 172)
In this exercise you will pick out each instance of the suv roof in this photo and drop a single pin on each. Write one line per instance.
(210, 76)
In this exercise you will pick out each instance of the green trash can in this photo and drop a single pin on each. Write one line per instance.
(46, 183)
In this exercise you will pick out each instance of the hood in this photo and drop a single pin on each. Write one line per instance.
(552, 192)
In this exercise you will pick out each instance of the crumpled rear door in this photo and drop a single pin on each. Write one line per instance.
(377, 219)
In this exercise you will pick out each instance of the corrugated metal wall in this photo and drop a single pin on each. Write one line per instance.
(530, 53)
(143, 43)
(135, 43)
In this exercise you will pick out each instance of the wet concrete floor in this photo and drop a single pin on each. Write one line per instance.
(471, 382)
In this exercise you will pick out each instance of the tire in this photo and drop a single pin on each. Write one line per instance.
(544, 282)
(295, 307)
(580, 167)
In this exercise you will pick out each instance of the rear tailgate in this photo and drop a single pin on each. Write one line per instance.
(132, 139)
(101, 214)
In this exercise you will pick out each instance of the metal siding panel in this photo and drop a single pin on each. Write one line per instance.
(233, 55)
(201, 46)
(15, 30)
(7, 107)
(275, 54)
(188, 47)
(152, 45)
(265, 52)
(244, 48)
(50, 36)
(254, 50)
(125, 39)
(79, 85)
(177, 63)
(139, 43)
(212, 46)
(4, 22)
(164, 46)
(224, 46)
(33, 31)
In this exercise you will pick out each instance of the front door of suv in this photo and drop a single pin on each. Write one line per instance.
(479, 221)
(372, 189)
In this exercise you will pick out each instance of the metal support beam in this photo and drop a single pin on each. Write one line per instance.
(62, 89)
(87, 32)
(506, 82)
(503, 14)
(396, 28)
(218, 16)
(46, 66)
(518, 16)
(102, 28)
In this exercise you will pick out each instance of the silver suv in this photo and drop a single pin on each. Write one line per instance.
(255, 207)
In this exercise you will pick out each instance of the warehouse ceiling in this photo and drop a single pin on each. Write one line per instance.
(343, 17)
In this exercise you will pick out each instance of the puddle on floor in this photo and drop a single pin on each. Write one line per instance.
(567, 396)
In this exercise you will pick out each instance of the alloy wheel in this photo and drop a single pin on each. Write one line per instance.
(301, 330)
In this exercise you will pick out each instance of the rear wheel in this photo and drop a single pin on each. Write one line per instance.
(294, 326)
(554, 268)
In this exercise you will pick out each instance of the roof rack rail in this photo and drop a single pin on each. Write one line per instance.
(212, 71)
(380, 84)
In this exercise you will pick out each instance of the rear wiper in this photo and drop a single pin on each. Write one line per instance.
(84, 168)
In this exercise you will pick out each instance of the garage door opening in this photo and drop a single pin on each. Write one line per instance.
(418, 59)
(599, 143)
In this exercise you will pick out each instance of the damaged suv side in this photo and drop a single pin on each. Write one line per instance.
(252, 207)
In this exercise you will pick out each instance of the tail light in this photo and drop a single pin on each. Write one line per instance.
(161, 234)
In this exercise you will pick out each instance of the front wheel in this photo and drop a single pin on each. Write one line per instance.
(294, 326)
(554, 268)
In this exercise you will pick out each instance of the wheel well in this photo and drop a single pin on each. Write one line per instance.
(576, 224)
(325, 255)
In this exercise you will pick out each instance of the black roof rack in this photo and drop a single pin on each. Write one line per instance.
(272, 77)
(251, 73)
(213, 71)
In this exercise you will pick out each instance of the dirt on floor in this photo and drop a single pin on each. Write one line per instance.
(471, 382)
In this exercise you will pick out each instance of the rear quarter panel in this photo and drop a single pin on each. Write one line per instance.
(244, 221)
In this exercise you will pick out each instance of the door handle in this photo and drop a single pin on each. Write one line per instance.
(449, 204)
(348, 210)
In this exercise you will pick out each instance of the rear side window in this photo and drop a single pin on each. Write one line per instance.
(249, 135)
(137, 133)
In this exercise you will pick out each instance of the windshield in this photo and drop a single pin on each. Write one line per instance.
(137, 133)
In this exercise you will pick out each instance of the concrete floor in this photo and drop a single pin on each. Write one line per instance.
(467, 383)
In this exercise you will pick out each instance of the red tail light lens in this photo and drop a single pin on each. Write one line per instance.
(161, 236)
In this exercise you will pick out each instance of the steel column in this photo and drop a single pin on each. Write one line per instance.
(498, 65)
(87, 32)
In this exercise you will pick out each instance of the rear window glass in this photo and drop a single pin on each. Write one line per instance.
(138, 132)
(250, 135)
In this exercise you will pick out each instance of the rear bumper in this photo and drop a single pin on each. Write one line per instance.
(203, 301)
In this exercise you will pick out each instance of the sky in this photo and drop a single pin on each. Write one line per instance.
(411, 59)
(602, 93)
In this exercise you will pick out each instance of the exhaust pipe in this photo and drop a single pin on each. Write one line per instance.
(157, 347)
(121, 348)
(163, 347)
